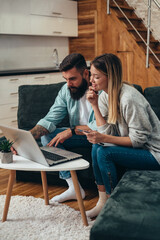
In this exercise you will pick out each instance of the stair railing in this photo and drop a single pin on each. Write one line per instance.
(148, 27)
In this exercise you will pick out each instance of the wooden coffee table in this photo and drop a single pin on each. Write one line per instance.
(23, 164)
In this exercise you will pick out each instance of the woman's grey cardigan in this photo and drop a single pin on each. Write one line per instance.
(137, 120)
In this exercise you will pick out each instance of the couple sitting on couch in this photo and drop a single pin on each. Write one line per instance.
(109, 112)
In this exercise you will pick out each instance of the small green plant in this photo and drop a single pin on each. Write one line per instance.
(5, 146)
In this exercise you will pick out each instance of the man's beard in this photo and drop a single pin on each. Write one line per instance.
(79, 91)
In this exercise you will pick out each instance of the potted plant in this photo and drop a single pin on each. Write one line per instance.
(5, 149)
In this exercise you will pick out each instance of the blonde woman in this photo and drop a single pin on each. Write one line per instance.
(128, 129)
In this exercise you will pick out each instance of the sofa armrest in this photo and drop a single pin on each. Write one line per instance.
(152, 94)
(132, 211)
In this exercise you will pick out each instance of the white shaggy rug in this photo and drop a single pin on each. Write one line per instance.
(30, 219)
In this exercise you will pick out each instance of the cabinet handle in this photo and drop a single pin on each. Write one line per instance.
(12, 94)
(57, 32)
(16, 107)
(39, 77)
(13, 79)
(56, 13)
(14, 121)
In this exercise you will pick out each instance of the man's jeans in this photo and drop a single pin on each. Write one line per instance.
(104, 160)
(75, 141)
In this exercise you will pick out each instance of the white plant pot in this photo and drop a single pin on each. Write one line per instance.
(6, 157)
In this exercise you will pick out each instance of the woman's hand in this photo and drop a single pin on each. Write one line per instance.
(94, 137)
(92, 96)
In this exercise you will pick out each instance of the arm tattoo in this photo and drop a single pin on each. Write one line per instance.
(38, 131)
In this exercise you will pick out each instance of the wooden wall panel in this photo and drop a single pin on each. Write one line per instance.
(127, 59)
(86, 43)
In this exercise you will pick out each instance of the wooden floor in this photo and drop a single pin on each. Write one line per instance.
(35, 190)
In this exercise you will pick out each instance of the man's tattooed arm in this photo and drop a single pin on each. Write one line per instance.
(38, 131)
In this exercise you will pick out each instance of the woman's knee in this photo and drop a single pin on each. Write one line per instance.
(104, 157)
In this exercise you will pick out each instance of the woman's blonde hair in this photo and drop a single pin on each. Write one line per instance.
(110, 65)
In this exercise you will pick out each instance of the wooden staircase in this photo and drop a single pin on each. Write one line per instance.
(140, 27)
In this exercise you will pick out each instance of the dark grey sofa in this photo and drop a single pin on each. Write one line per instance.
(133, 210)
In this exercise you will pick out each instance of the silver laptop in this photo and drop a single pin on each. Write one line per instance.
(26, 146)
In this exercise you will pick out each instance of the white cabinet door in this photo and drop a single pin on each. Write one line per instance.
(9, 110)
(56, 77)
(50, 26)
(54, 8)
(34, 79)
(9, 88)
(14, 17)
(48, 78)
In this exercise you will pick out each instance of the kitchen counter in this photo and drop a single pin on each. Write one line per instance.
(28, 71)
(32, 70)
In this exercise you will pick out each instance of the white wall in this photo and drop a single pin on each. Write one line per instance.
(23, 52)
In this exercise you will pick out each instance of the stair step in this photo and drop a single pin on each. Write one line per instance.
(154, 44)
(157, 65)
(123, 7)
(131, 18)
(122, 2)
(151, 41)
(156, 52)
(138, 29)
(154, 59)
(136, 22)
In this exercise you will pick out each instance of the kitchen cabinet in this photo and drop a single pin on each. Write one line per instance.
(54, 18)
(44, 78)
(9, 100)
(39, 17)
(53, 26)
(9, 93)
(54, 8)
(14, 17)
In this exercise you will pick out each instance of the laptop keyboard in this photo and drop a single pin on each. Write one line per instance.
(52, 156)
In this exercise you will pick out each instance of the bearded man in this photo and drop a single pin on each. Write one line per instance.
(70, 100)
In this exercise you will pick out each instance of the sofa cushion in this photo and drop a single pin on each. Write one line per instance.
(138, 87)
(152, 94)
(132, 211)
(35, 102)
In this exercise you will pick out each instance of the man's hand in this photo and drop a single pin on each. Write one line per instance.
(13, 151)
(60, 137)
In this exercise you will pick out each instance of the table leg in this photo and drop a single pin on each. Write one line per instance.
(8, 194)
(45, 187)
(79, 197)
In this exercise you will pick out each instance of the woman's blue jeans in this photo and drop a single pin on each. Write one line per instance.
(105, 159)
(75, 141)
